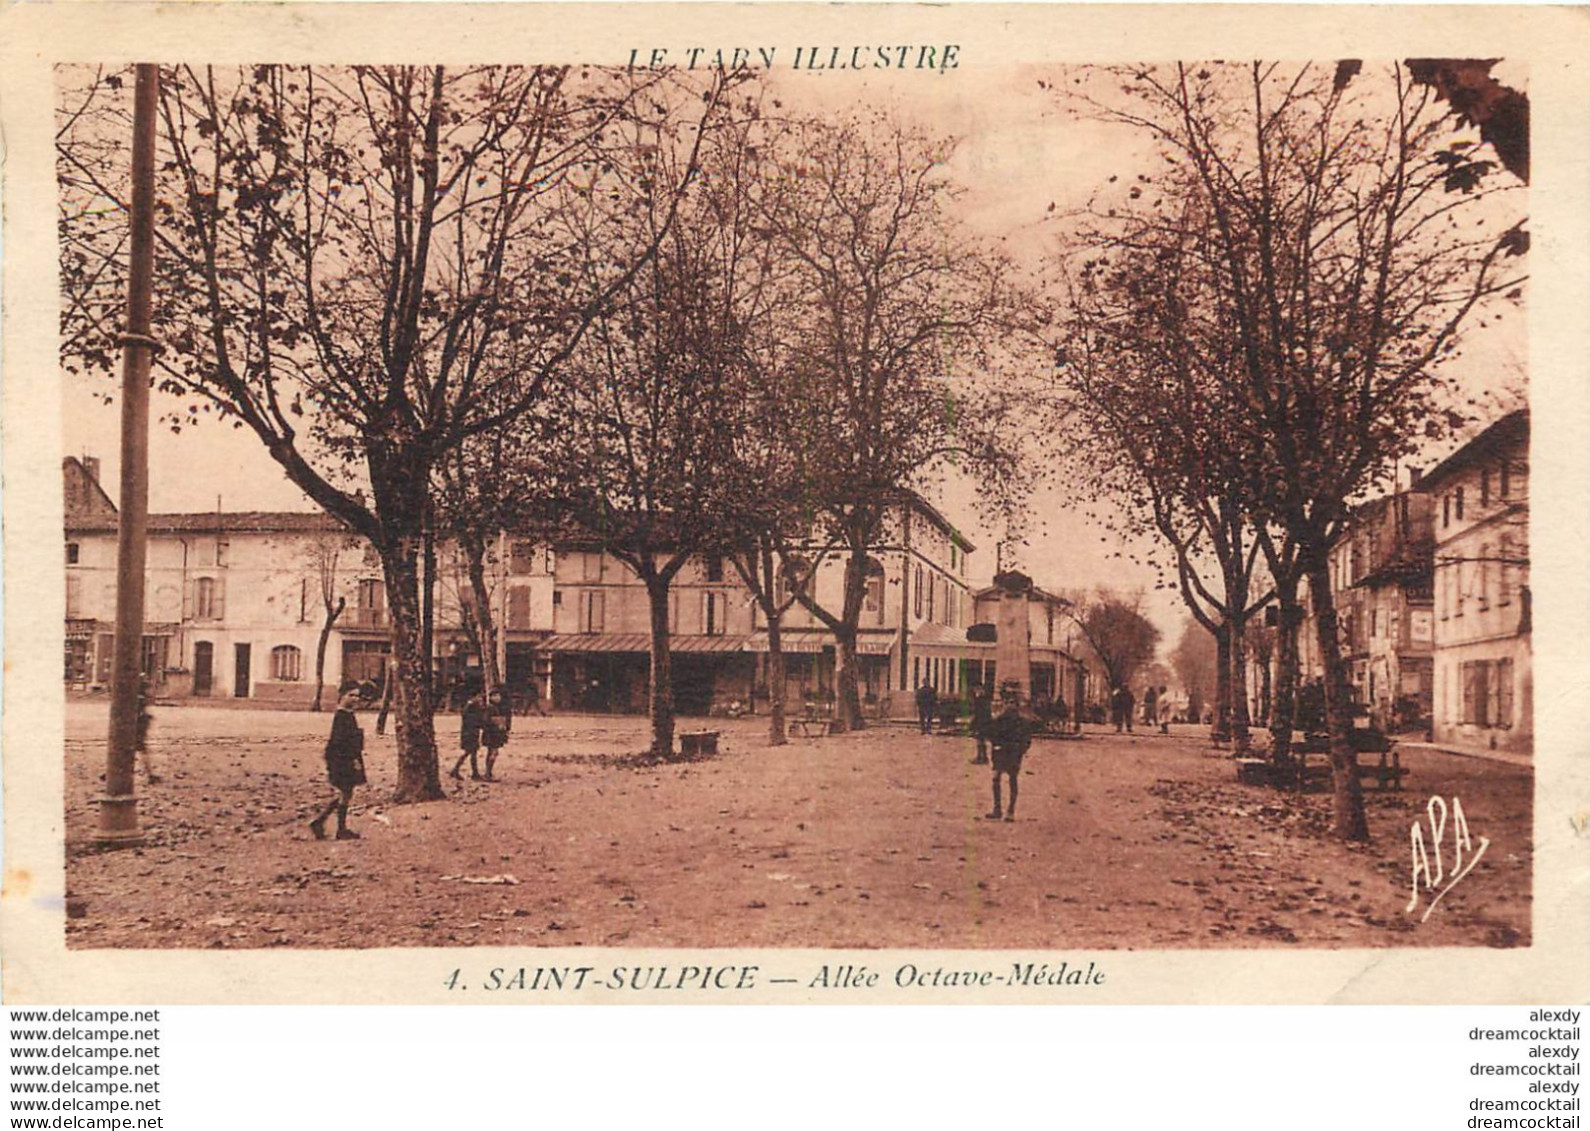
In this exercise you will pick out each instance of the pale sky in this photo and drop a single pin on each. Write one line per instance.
(1019, 154)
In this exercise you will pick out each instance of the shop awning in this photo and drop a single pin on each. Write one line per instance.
(639, 642)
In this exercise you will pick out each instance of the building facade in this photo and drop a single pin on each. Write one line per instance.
(1484, 677)
(237, 602)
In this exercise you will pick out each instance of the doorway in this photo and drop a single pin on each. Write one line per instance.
(203, 667)
(240, 670)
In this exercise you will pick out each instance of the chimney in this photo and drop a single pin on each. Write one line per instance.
(1414, 475)
(91, 468)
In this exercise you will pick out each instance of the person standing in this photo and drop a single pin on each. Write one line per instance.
(495, 727)
(344, 766)
(1164, 709)
(1011, 735)
(533, 697)
(1150, 705)
(982, 722)
(926, 704)
(470, 723)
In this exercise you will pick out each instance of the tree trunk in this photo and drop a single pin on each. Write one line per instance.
(776, 730)
(320, 649)
(485, 623)
(847, 688)
(1237, 685)
(1223, 682)
(1283, 706)
(662, 679)
(418, 777)
(847, 684)
(428, 613)
(1350, 821)
(1266, 689)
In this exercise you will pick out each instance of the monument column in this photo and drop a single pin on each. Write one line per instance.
(1013, 647)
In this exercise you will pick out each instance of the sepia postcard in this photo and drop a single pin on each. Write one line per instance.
(779, 504)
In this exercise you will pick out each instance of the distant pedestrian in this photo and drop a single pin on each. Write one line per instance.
(533, 697)
(1166, 709)
(982, 722)
(1150, 705)
(1012, 735)
(495, 728)
(472, 720)
(344, 766)
(1121, 704)
(926, 704)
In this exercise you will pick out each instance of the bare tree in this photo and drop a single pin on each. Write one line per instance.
(651, 402)
(324, 553)
(356, 265)
(904, 317)
(1116, 630)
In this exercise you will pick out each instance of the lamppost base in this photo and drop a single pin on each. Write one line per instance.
(118, 822)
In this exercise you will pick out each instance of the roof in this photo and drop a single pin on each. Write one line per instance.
(934, 515)
(1511, 430)
(224, 522)
(1033, 593)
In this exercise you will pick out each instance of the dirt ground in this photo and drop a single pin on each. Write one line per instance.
(870, 840)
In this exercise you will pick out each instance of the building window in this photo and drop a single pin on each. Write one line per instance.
(520, 557)
(591, 566)
(916, 603)
(206, 599)
(1484, 587)
(1504, 484)
(592, 612)
(1446, 511)
(1487, 693)
(1458, 505)
(550, 561)
(715, 568)
(74, 596)
(933, 586)
(712, 610)
(71, 553)
(287, 663)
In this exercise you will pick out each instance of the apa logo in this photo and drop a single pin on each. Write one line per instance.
(1464, 854)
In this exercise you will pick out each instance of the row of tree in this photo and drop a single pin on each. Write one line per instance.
(658, 312)
(1256, 331)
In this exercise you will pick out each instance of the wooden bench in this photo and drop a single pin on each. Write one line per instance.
(813, 722)
(698, 743)
(1386, 770)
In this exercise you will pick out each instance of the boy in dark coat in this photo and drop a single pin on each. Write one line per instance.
(344, 766)
(1011, 735)
(472, 721)
(494, 728)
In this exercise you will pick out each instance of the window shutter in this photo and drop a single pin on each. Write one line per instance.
(1468, 673)
(219, 611)
(1504, 693)
(519, 608)
(598, 612)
